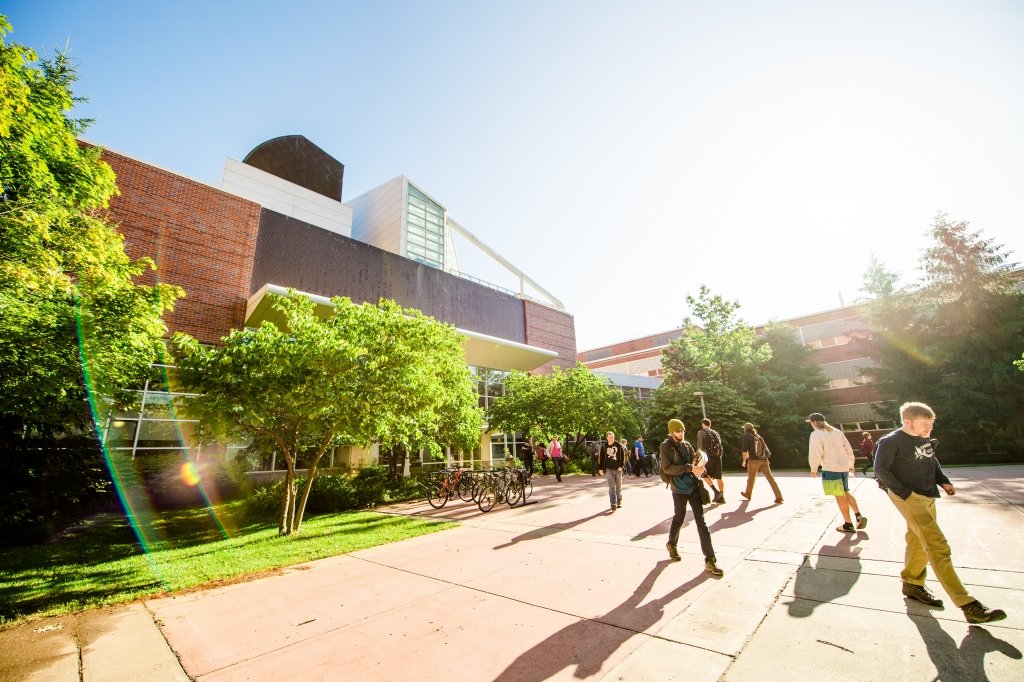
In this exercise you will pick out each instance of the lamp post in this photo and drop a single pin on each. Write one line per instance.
(703, 412)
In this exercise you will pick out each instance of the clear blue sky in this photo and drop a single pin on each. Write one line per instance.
(621, 153)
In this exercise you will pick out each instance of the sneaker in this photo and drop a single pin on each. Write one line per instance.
(673, 553)
(713, 569)
(619, 505)
(976, 612)
(846, 528)
(745, 496)
(921, 594)
(719, 498)
(613, 507)
(862, 522)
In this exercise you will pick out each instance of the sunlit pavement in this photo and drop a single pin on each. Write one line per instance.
(566, 588)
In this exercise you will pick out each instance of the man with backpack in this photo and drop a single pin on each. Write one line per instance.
(682, 473)
(710, 442)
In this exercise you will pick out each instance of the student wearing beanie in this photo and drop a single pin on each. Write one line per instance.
(677, 461)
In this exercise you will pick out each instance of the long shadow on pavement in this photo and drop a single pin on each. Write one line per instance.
(587, 643)
(549, 530)
(965, 663)
(816, 584)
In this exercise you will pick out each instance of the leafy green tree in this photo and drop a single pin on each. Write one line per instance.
(766, 379)
(75, 327)
(567, 403)
(71, 310)
(719, 347)
(952, 342)
(365, 374)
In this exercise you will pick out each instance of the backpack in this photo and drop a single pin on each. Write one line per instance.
(761, 450)
(712, 443)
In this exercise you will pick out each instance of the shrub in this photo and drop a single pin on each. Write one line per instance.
(368, 487)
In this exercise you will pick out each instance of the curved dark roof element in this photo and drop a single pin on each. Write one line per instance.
(299, 161)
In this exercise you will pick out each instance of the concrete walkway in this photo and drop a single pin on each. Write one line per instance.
(565, 589)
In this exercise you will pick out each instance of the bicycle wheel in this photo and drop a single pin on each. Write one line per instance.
(486, 496)
(465, 488)
(514, 491)
(437, 495)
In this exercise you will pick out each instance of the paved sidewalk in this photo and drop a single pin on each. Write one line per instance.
(566, 589)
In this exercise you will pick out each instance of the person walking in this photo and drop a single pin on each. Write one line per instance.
(641, 456)
(595, 455)
(526, 455)
(867, 450)
(611, 459)
(755, 458)
(677, 461)
(633, 463)
(710, 442)
(554, 452)
(907, 468)
(828, 448)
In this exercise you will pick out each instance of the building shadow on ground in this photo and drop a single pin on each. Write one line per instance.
(819, 584)
(966, 662)
(589, 642)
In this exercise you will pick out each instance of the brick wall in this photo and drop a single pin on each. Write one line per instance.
(551, 329)
(201, 238)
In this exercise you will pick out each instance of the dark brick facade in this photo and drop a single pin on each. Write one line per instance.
(201, 238)
(551, 329)
(292, 253)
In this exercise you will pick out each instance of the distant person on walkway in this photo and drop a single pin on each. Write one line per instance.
(907, 468)
(541, 452)
(755, 458)
(710, 442)
(595, 455)
(829, 449)
(867, 451)
(526, 455)
(644, 465)
(611, 459)
(677, 460)
(634, 461)
(557, 459)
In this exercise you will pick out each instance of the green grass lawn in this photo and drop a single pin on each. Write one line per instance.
(101, 561)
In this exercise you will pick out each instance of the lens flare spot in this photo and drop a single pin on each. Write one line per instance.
(189, 474)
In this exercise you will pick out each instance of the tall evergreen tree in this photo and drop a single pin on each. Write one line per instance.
(952, 342)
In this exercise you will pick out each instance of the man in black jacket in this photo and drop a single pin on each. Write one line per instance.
(906, 466)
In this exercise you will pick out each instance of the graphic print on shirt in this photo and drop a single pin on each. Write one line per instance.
(922, 451)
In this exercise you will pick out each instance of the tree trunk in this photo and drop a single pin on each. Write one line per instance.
(288, 503)
(311, 474)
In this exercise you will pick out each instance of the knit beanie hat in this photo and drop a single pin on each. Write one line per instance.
(675, 425)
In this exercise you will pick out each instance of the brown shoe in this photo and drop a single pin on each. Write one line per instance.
(711, 567)
(673, 553)
(921, 594)
(976, 612)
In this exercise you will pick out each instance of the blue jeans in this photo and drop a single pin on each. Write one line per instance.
(614, 478)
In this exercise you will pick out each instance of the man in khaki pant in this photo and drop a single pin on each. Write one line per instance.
(906, 466)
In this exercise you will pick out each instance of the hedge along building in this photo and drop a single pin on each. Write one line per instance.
(277, 221)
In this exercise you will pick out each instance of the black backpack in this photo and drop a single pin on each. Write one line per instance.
(712, 443)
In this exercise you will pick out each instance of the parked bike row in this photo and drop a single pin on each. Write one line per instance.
(484, 487)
